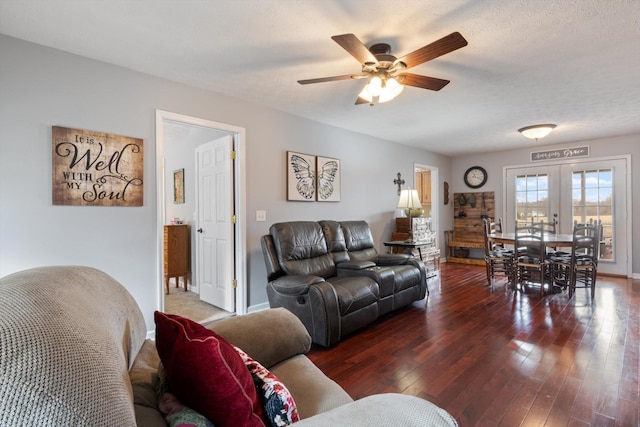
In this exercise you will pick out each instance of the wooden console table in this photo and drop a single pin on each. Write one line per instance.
(468, 226)
(454, 244)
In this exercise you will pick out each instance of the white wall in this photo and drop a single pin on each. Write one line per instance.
(605, 147)
(42, 87)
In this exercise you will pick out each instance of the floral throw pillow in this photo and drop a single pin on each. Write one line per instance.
(277, 402)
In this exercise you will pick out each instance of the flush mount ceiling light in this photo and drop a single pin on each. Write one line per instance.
(537, 131)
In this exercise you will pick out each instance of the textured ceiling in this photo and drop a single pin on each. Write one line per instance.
(575, 63)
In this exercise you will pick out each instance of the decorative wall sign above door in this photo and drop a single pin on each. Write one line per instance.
(96, 169)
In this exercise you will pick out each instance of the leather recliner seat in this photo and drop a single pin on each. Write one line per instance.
(333, 291)
(409, 274)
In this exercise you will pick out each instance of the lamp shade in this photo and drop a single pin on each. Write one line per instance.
(409, 199)
(537, 131)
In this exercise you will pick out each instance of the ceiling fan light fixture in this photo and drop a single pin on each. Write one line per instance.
(374, 87)
(383, 69)
(390, 90)
(366, 95)
(378, 90)
(537, 131)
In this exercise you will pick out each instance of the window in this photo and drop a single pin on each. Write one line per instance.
(593, 200)
(576, 190)
(532, 198)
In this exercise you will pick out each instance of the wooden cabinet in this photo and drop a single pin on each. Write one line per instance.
(423, 185)
(177, 260)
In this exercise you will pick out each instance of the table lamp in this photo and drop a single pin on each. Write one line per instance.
(409, 200)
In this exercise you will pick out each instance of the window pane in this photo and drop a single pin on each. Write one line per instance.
(532, 197)
(577, 197)
(592, 199)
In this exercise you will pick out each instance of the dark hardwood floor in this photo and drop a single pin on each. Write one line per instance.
(494, 357)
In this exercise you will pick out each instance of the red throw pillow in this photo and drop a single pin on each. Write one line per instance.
(206, 373)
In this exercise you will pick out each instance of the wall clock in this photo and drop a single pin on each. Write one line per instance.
(475, 177)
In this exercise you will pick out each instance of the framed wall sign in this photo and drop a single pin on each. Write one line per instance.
(178, 186)
(301, 177)
(96, 168)
(562, 153)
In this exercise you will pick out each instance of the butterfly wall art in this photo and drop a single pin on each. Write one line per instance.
(328, 182)
(311, 178)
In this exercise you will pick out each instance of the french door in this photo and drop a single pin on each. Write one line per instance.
(576, 191)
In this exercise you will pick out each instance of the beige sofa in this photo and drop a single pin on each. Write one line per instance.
(73, 351)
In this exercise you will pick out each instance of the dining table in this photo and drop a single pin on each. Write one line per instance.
(550, 239)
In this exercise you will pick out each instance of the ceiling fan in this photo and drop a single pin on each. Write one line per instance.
(387, 74)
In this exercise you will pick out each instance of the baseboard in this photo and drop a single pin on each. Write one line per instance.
(258, 307)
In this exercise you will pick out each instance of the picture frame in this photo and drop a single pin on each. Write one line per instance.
(178, 186)
(89, 182)
(328, 179)
(301, 177)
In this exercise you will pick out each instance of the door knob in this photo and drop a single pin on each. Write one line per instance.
(199, 230)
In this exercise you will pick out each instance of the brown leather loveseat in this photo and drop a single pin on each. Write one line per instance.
(330, 275)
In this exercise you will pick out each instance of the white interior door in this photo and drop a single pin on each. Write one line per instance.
(575, 191)
(215, 229)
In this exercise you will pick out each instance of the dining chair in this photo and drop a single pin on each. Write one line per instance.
(496, 227)
(530, 261)
(581, 264)
(584, 256)
(550, 227)
(497, 258)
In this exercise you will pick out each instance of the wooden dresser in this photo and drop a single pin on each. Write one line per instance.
(177, 260)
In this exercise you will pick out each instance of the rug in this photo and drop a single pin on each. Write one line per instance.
(189, 305)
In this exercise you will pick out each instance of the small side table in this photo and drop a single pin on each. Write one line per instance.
(403, 244)
(406, 245)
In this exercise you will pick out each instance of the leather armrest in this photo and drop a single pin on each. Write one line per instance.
(356, 265)
(393, 259)
(296, 284)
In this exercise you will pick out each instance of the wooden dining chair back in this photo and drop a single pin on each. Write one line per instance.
(584, 256)
(530, 262)
(496, 227)
(550, 227)
(497, 258)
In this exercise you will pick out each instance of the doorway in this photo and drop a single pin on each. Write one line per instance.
(193, 132)
(426, 182)
(594, 189)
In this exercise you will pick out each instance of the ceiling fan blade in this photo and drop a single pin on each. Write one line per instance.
(330, 79)
(423, 82)
(433, 50)
(354, 46)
